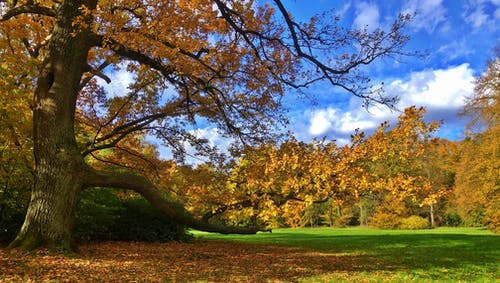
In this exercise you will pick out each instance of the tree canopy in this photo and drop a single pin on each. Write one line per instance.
(226, 62)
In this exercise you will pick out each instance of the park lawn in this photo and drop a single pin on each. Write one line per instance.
(286, 255)
(433, 255)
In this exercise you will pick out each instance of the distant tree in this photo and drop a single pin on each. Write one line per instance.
(477, 190)
(396, 167)
(439, 162)
(227, 62)
(286, 181)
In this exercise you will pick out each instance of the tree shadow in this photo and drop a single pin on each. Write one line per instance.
(403, 252)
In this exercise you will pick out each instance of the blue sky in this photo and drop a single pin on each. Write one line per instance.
(458, 37)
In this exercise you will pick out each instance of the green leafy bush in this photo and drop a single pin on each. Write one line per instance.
(452, 220)
(101, 215)
(97, 215)
(139, 221)
(474, 217)
(14, 201)
(414, 223)
(384, 220)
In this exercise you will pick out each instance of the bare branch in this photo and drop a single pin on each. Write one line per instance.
(121, 132)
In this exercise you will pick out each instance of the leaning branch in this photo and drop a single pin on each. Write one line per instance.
(169, 209)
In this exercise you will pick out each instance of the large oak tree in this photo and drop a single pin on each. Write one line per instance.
(227, 62)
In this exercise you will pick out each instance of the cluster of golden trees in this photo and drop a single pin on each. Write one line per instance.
(379, 180)
(396, 172)
(477, 180)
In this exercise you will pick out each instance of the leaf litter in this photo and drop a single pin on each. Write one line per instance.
(198, 260)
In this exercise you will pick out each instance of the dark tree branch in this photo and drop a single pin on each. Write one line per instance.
(109, 161)
(28, 9)
(169, 209)
(226, 14)
(291, 27)
(223, 208)
(167, 71)
(96, 72)
(121, 132)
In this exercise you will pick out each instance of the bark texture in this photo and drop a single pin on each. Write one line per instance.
(58, 162)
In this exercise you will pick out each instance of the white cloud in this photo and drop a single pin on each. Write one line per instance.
(454, 50)
(344, 8)
(324, 122)
(442, 92)
(321, 121)
(367, 15)
(348, 123)
(483, 14)
(477, 18)
(430, 13)
(120, 80)
(436, 88)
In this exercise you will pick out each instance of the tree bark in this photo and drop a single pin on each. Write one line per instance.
(361, 215)
(58, 162)
(433, 224)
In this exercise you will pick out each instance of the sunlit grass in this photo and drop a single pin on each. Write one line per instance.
(439, 255)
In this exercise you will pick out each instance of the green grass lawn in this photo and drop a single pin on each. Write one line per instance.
(437, 255)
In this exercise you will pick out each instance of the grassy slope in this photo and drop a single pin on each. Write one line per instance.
(444, 254)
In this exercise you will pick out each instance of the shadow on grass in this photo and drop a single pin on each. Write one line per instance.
(460, 256)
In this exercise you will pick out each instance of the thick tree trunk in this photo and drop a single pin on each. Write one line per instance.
(51, 211)
(58, 162)
(60, 171)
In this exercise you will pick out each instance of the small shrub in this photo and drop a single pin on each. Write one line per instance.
(452, 220)
(475, 217)
(414, 223)
(385, 221)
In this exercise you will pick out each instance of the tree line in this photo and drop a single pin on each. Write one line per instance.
(399, 177)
